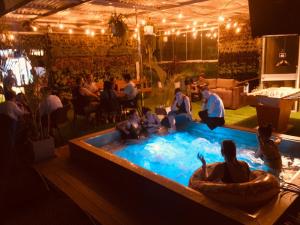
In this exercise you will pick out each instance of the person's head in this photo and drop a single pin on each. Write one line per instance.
(145, 110)
(178, 93)
(10, 96)
(126, 77)
(112, 80)
(107, 85)
(205, 91)
(265, 132)
(132, 114)
(79, 81)
(9, 72)
(89, 78)
(228, 150)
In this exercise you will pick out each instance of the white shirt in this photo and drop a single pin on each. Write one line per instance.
(50, 104)
(11, 109)
(130, 90)
(214, 106)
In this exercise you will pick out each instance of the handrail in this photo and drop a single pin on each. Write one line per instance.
(245, 81)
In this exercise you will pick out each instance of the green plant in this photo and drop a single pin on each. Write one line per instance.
(33, 98)
(117, 25)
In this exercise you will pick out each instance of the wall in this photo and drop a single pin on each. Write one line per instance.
(239, 54)
(68, 56)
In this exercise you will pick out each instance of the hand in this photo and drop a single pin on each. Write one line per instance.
(201, 158)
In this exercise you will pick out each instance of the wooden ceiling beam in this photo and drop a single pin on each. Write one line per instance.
(68, 6)
(7, 6)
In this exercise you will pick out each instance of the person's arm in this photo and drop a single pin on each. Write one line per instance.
(259, 151)
(85, 92)
(215, 174)
(211, 105)
(174, 105)
(188, 106)
(123, 126)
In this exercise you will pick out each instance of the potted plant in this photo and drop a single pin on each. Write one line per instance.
(118, 27)
(42, 144)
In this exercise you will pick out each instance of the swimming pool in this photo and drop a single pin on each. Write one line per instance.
(170, 160)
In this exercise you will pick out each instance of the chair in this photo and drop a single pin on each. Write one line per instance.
(132, 104)
(59, 117)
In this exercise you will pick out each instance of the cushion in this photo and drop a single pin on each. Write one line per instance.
(212, 83)
(225, 83)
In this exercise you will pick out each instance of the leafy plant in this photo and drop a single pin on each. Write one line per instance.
(33, 97)
(117, 25)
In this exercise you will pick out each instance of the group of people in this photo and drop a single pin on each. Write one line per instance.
(236, 171)
(88, 98)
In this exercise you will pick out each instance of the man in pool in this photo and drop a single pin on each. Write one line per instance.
(230, 171)
(212, 110)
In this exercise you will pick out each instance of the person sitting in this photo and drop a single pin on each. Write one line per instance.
(10, 107)
(150, 121)
(109, 101)
(212, 110)
(91, 85)
(180, 106)
(115, 87)
(129, 94)
(131, 128)
(49, 102)
(84, 99)
(9, 81)
(268, 149)
(230, 171)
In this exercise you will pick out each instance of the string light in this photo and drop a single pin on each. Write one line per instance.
(70, 31)
(173, 30)
(102, 31)
(187, 26)
(238, 30)
(195, 23)
(205, 25)
(92, 33)
(164, 20)
(178, 32)
(61, 26)
(195, 35)
(34, 28)
(87, 31)
(228, 25)
(143, 22)
(193, 29)
(235, 24)
(11, 37)
(180, 16)
(135, 36)
(221, 18)
(215, 35)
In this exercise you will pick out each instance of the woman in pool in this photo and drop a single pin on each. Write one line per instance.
(131, 128)
(268, 149)
(151, 121)
(230, 171)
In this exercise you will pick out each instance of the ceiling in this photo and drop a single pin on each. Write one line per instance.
(94, 14)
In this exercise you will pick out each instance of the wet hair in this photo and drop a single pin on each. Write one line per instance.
(145, 110)
(265, 131)
(228, 149)
(10, 95)
(126, 76)
(177, 90)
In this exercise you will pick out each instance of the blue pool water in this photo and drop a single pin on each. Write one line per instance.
(175, 155)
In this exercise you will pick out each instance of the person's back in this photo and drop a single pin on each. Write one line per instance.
(109, 101)
(230, 171)
(268, 149)
(49, 104)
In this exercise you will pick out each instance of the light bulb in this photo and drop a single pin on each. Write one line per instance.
(102, 31)
(70, 31)
(228, 25)
(238, 30)
(221, 18)
(61, 26)
(164, 20)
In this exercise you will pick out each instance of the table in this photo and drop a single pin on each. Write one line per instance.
(274, 105)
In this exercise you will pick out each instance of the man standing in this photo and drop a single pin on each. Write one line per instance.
(212, 110)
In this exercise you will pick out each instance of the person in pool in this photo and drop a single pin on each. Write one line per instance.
(151, 121)
(268, 149)
(131, 129)
(230, 171)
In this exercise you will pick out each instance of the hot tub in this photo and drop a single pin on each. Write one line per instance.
(159, 169)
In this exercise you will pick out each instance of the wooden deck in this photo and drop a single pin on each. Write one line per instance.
(74, 183)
